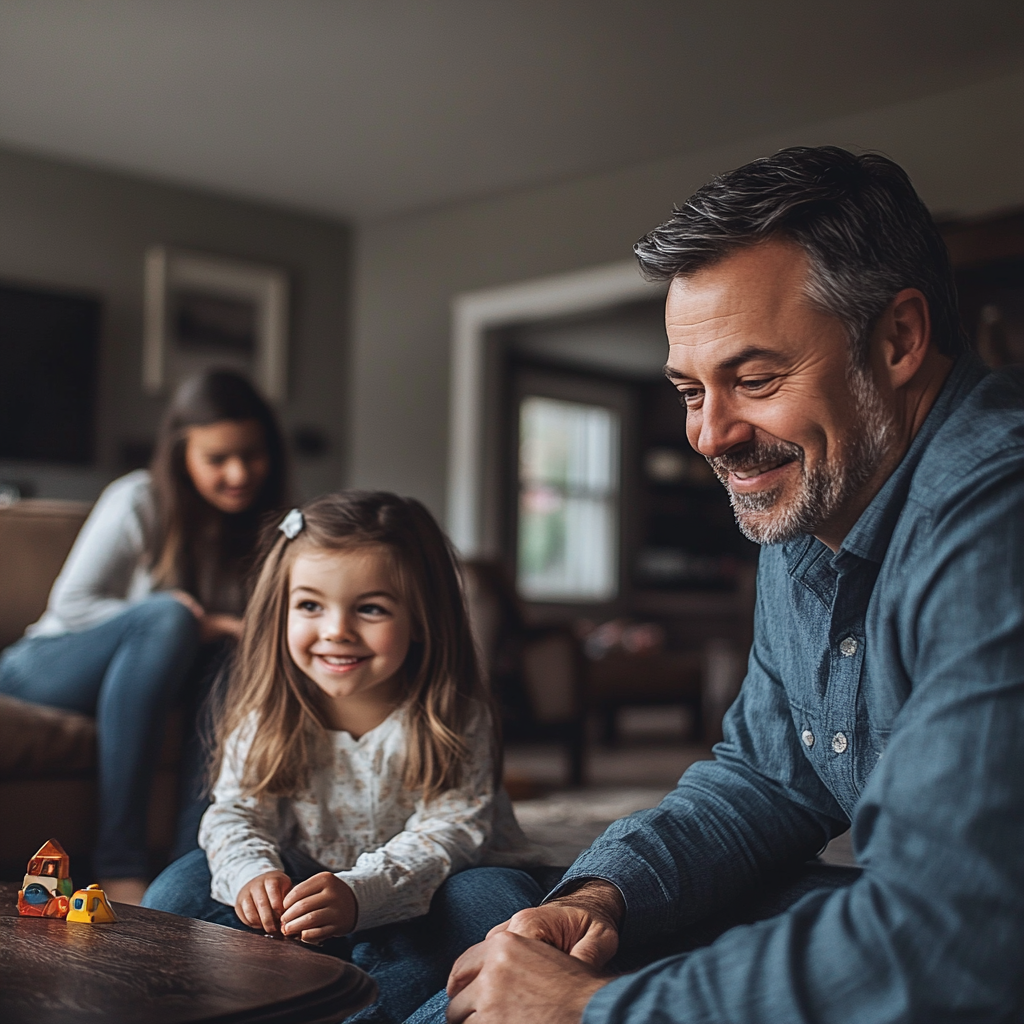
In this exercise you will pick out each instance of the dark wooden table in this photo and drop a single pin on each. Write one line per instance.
(155, 968)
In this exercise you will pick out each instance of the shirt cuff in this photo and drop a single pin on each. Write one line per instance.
(648, 904)
(372, 891)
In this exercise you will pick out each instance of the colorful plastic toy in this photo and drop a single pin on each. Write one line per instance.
(47, 885)
(90, 906)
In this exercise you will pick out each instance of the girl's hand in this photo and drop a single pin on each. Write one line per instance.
(319, 908)
(260, 902)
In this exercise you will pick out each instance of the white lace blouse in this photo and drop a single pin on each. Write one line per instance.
(357, 819)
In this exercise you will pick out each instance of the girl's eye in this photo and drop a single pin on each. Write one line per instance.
(375, 610)
(308, 606)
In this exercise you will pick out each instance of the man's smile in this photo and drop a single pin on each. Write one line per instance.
(760, 476)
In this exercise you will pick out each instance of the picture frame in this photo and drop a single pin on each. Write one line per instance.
(204, 311)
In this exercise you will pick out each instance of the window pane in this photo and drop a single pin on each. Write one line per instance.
(568, 500)
(568, 444)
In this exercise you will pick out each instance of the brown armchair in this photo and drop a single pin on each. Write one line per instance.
(536, 672)
(48, 756)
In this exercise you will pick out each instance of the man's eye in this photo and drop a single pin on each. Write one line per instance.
(687, 396)
(756, 384)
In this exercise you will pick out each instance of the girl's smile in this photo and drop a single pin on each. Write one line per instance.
(349, 631)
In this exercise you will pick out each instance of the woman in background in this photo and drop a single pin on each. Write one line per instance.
(149, 603)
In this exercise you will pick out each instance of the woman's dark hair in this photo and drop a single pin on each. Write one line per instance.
(196, 547)
(865, 231)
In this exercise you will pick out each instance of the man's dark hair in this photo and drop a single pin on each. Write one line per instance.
(865, 231)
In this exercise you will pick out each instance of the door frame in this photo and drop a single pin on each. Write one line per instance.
(475, 316)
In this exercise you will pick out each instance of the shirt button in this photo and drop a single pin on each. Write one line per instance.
(848, 647)
(839, 743)
(808, 737)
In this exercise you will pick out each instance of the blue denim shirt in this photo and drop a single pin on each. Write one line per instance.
(885, 690)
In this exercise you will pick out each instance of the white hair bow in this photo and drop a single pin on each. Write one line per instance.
(292, 524)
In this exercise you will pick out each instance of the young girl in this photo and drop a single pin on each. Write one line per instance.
(357, 762)
(149, 599)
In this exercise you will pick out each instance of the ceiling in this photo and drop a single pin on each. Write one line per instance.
(363, 108)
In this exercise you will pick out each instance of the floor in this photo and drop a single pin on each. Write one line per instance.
(635, 774)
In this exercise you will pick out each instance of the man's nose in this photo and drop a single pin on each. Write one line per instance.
(717, 427)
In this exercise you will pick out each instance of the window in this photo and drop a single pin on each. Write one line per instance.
(568, 521)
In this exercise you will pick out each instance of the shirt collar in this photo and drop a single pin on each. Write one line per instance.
(870, 536)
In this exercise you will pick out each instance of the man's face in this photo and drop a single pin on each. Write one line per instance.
(771, 400)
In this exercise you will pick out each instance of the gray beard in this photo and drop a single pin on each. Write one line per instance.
(824, 489)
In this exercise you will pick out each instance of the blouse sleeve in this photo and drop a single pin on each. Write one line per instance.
(93, 584)
(397, 881)
(238, 832)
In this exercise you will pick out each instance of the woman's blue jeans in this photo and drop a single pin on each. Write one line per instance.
(127, 672)
(409, 961)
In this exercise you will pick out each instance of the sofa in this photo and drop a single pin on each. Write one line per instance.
(48, 756)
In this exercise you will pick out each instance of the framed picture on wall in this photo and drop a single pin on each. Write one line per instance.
(204, 311)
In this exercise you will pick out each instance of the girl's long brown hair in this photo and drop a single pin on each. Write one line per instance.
(268, 693)
(191, 533)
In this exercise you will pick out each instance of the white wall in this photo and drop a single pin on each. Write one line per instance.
(72, 227)
(964, 150)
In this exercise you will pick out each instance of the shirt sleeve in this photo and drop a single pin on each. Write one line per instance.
(931, 931)
(397, 881)
(757, 806)
(94, 581)
(238, 833)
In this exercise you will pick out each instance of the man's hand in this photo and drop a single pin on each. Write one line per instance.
(584, 924)
(319, 908)
(507, 979)
(260, 903)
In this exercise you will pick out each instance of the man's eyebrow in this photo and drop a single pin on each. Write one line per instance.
(744, 356)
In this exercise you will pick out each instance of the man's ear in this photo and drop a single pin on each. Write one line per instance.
(905, 330)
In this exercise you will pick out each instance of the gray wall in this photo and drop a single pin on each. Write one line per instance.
(964, 149)
(69, 227)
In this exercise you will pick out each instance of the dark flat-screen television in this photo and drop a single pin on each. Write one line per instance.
(49, 348)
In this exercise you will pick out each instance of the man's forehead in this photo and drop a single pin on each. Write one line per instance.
(740, 308)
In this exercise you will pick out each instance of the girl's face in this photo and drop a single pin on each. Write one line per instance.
(349, 631)
(228, 463)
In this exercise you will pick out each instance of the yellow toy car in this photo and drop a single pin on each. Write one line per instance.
(90, 906)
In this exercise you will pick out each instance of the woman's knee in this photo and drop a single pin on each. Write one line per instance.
(165, 624)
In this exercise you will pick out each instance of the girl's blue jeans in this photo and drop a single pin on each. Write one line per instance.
(409, 961)
(127, 672)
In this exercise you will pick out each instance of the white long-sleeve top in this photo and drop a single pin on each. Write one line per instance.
(106, 570)
(358, 819)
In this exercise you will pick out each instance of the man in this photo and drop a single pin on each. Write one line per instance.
(814, 341)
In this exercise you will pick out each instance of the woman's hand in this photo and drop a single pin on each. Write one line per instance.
(260, 902)
(211, 627)
(189, 602)
(214, 627)
(319, 908)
